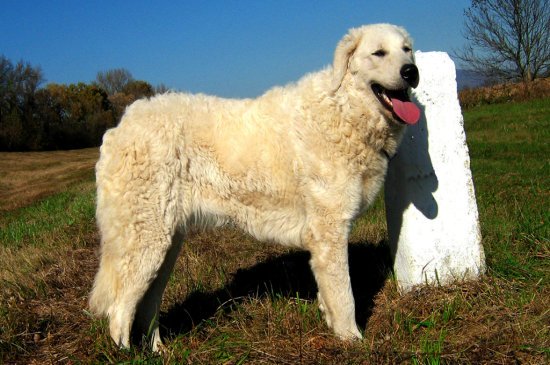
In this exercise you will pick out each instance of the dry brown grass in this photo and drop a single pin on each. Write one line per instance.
(234, 300)
(505, 93)
(491, 321)
(221, 308)
(28, 176)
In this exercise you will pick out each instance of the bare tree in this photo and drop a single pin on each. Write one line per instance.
(18, 87)
(161, 89)
(19, 81)
(114, 81)
(508, 39)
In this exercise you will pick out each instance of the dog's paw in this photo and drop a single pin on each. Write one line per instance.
(351, 334)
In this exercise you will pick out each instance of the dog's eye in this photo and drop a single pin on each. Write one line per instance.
(407, 49)
(380, 53)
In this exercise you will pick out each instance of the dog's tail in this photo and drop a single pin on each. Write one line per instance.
(105, 287)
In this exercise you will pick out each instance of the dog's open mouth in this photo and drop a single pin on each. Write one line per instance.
(399, 103)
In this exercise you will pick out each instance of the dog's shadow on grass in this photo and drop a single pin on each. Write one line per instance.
(287, 275)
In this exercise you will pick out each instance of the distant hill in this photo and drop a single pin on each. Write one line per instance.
(469, 79)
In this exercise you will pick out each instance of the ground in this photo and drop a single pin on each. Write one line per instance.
(234, 300)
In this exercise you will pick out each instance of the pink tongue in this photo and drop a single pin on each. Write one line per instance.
(408, 112)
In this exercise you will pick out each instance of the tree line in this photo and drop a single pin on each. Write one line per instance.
(508, 40)
(59, 116)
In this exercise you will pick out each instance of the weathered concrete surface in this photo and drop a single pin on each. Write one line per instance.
(431, 208)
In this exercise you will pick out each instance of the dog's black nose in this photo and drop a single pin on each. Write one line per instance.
(409, 73)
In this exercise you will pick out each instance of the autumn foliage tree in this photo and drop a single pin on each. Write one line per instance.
(61, 116)
(122, 88)
(75, 115)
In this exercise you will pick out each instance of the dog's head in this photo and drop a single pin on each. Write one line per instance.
(381, 58)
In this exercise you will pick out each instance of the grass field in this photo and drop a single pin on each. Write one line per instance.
(232, 300)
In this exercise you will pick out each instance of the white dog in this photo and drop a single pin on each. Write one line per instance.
(294, 166)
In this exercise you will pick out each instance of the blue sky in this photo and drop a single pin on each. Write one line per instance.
(228, 48)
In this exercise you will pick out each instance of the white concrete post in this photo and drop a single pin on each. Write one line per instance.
(431, 208)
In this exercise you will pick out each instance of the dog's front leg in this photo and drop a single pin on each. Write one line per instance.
(329, 262)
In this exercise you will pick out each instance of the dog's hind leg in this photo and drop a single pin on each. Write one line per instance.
(138, 251)
(142, 258)
(146, 322)
(138, 186)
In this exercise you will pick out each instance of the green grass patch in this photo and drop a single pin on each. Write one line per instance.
(509, 159)
(55, 216)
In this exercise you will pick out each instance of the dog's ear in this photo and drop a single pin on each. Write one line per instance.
(343, 52)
